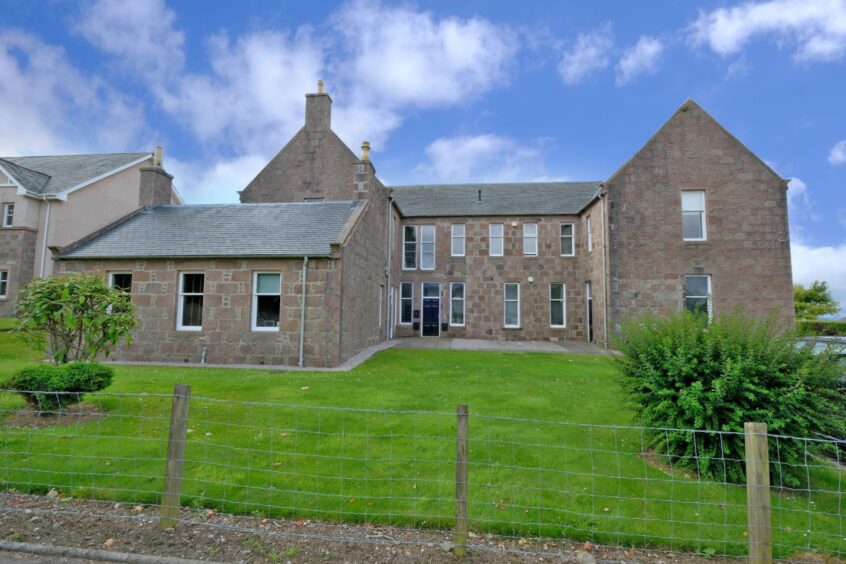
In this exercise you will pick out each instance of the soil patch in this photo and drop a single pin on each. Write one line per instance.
(70, 415)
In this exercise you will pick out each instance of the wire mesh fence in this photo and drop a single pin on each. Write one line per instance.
(530, 484)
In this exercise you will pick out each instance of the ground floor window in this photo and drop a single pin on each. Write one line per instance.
(4, 283)
(121, 280)
(697, 294)
(557, 315)
(267, 299)
(456, 304)
(189, 315)
(512, 305)
(406, 302)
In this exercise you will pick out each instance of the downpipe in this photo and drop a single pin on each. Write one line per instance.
(302, 313)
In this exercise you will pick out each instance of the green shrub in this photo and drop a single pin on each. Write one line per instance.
(821, 328)
(683, 373)
(36, 383)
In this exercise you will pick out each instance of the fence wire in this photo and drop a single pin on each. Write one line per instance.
(533, 485)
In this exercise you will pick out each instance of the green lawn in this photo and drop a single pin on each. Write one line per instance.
(7, 323)
(527, 477)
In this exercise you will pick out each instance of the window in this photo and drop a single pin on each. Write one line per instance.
(8, 214)
(121, 280)
(4, 283)
(427, 247)
(456, 304)
(693, 215)
(495, 236)
(267, 299)
(458, 239)
(568, 240)
(589, 229)
(409, 246)
(557, 315)
(697, 294)
(530, 239)
(406, 302)
(189, 315)
(512, 305)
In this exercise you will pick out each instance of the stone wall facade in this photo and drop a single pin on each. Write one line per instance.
(227, 309)
(17, 257)
(747, 251)
(484, 277)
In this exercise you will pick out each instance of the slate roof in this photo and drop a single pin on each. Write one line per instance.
(50, 175)
(523, 198)
(222, 230)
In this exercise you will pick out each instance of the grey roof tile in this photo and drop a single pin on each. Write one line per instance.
(228, 230)
(49, 175)
(524, 198)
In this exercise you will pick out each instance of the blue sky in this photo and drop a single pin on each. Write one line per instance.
(445, 91)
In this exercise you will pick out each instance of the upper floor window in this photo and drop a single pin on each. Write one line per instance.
(427, 247)
(4, 283)
(693, 215)
(267, 299)
(568, 240)
(8, 214)
(589, 229)
(697, 294)
(189, 314)
(458, 239)
(409, 247)
(495, 236)
(121, 280)
(530, 239)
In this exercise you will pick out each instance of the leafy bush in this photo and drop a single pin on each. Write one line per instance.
(821, 328)
(683, 373)
(74, 379)
(77, 316)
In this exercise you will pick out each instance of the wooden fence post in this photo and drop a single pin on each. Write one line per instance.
(175, 456)
(460, 548)
(758, 493)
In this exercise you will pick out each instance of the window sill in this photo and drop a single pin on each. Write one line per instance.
(695, 241)
(568, 256)
(264, 330)
(557, 326)
(190, 329)
(451, 325)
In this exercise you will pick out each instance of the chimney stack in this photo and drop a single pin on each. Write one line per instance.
(155, 186)
(318, 110)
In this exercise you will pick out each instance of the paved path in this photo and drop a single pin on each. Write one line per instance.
(573, 347)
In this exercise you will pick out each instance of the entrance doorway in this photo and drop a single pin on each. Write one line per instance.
(431, 309)
(589, 296)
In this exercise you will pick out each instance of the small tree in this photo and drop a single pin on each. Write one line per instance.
(813, 302)
(77, 317)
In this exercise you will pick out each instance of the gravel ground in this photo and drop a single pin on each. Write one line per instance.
(212, 536)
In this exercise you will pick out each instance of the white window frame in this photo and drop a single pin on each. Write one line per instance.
(527, 238)
(8, 214)
(461, 238)
(463, 301)
(501, 238)
(505, 301)
(709, 296)
(405, 244)
(409, 298)
(423, 243)
(4, 283)
(563, 301)
(254, 309)
(112, 278)
(589, 229)
(702, 216)
(181, 302)
(572, 238)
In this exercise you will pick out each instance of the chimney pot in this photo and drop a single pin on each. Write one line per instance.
(158, 159)
(320, 87)
(365, 150)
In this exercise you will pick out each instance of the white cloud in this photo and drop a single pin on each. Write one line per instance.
(826, 263)
(40, 94)
(837, 155)
(643, 57)
(817, 28)
(141, 32)
(590, 53)
(216, 183)
(481, 158)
